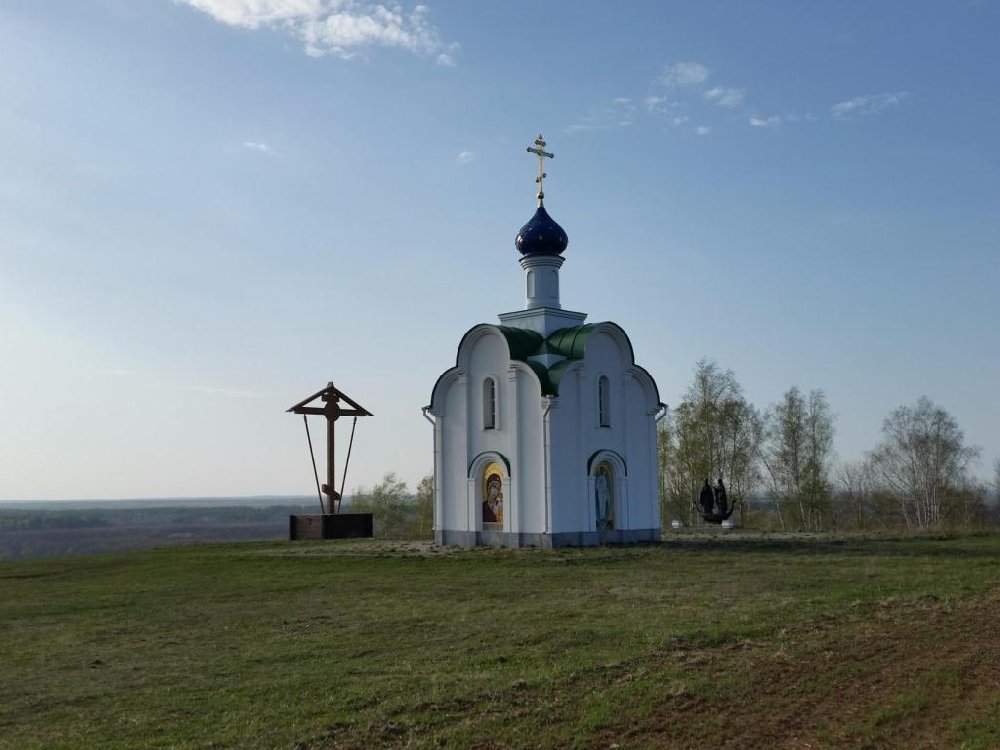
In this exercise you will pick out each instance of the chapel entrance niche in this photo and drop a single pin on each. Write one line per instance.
(491, 496)
(604, 496)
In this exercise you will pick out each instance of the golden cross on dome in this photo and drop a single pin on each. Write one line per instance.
(542, 155)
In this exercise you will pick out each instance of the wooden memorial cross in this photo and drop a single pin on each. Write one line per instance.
(332, 410)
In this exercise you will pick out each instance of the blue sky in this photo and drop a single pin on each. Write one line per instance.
(209, 208)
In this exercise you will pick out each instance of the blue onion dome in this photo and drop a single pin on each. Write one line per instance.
(541, 235)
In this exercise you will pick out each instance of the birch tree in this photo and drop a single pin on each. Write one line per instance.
(713, 432)
(922, 460)
(797, 455)
(856, 484)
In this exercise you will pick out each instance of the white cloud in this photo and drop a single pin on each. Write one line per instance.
(703, 130)
(724, 97)
(681, 120)
(258, 146)
(655, 104)
(869, 104)
(765, 122)
(464, 157)
(447, 58)
(684, 74)
(253, 14)
(620, 114)
(336, 27)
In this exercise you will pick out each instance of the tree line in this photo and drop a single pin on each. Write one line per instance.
(781, 470)
(779, 467)
(396, 513)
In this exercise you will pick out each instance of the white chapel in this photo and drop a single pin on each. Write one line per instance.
(545, 428)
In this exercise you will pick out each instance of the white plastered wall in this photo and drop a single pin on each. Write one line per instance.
(577, 436)
(464, 442)
(542, 496)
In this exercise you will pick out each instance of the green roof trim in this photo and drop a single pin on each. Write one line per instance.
(522, 343)
(570, 342)
(566, 342)
(555, 375)
(548, 387)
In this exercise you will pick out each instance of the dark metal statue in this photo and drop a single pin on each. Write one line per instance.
(713, 503)
(706, 499)
(721, 501)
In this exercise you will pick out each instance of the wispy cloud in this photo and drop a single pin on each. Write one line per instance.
(259, 146)
(619, 114)
(683, 74)
(869, 104)
(464, 157)
(655, 103)
(342, 28)
(686, 98)
(686, 94)
(724, 97)
(765, 122)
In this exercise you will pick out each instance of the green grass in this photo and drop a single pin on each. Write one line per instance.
(700, 642)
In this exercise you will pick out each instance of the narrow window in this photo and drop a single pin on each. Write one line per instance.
(489, 404)
(603, 402)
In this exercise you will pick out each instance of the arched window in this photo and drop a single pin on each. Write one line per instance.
(489, 404)
(603, 402)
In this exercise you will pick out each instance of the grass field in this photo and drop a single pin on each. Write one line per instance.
(701, 642)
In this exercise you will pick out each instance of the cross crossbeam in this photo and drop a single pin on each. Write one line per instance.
(542, 154)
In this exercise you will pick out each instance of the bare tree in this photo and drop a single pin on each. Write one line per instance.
(922, 460)
(798, 453)
(713, 432)
(856, 483)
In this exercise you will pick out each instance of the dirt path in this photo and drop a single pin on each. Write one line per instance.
(920, 674)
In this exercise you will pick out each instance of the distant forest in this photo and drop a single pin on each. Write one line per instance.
(46, 532)
(86, 528)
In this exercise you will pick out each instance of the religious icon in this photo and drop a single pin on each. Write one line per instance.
(604, 497)
(493, 495)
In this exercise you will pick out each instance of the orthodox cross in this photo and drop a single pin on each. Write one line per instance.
(542, 154)
(333, 410)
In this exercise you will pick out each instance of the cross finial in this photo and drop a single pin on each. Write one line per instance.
(542, 155)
